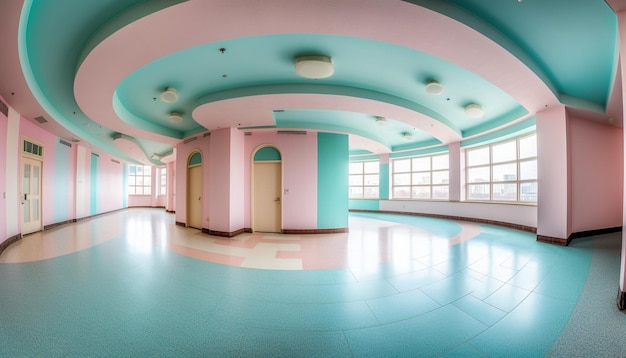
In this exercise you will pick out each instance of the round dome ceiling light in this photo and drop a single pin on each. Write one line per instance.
(407, 136)
(474, 110)
(170, 95)
(381, 121)
(314, 66)
(175, 117)
(434, 88)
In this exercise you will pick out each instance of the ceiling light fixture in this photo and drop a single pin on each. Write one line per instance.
(314, 66)
(434, 88)
(407, 136)
(381, 121)
(170, 95)
(176, 117)
(474, 110)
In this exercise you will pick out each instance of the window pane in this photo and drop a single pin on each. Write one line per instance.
(440, 162)
(139, 190)
(356, 180)
(132, 169)
(402, 166)
(402, 192)
(139, 181)
(421, 178)
(356, 168)
(147, 170)
(528, 170)
(420, 192)
(402, 179)
(370, 167)
(504, 152)
(131, 180)
(505, 192)
(528, 147)
(440, 192)
(505, 172)
(440, 177)
(147, 190)
(478, 156)
(371, 179)
(131, 190)
(478, 175)
(139, 169)
(421, 164)
(478, 192)
(356, 192)
(370, 192)
(528, 192)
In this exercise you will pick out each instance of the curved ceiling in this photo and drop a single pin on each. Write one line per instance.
(98, 68)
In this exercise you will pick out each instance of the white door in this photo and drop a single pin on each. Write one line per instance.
(31, 195)
(267, 196)
(194, 197)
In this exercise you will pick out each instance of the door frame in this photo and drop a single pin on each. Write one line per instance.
(188, 168)
(30, 156)
(253, 215)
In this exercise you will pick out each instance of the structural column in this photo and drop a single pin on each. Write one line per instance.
(621, 24)
(553, 169)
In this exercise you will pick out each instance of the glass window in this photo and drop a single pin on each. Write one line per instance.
(139, 180)
(421, 178)
(505, 171)
(363, 180)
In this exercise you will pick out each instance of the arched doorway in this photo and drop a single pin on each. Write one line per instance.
(267, 190)
(194, 190)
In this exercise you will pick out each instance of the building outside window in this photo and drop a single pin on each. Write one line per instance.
(505, 171)
(364, 180)
(139, 179)
(421, 178)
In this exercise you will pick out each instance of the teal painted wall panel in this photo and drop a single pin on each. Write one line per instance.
(383, 184)
(332, 181)
(364, 204)
(93, 209)
(61, 182)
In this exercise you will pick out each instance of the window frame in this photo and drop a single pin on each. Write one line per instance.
(132, 180)
(414, 173)
(491, 182)
(363, 184)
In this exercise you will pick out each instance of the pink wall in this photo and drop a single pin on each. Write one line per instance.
(299, 160)
(111, 182)
(596, 152)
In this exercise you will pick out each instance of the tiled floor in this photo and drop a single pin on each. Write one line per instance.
(132, 283)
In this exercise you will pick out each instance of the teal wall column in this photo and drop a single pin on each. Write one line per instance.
(332, 181)
(94, 184)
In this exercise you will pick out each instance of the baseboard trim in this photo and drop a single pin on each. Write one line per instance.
(621, 300)
(314, 231)
(576, 235)
(223, 233)
(9, 241)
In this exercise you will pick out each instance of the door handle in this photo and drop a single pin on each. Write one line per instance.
(277, 200)
(25, 197)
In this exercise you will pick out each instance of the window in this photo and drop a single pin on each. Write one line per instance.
(139, 179)
(162, 180)
(425, 178)
(364, 179)
(505, 171)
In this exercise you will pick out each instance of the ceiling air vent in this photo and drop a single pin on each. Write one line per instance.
(292, 132)
(4, 109)
(65, 143)
(115, 161)
(41, 120)
(206, 134)
(189, 140)
(247, 134)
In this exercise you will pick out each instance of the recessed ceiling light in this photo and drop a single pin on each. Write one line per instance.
(381, 121)
(176, 117)
(314, 66)
(474, 110)
(434, 88)
(170, 95)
